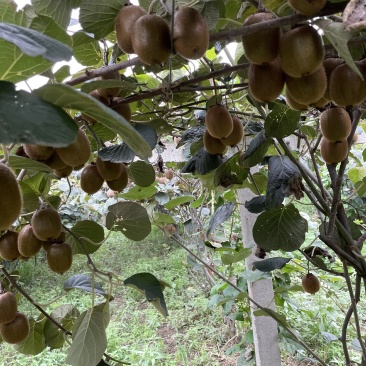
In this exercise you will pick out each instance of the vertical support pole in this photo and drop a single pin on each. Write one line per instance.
(267, 351)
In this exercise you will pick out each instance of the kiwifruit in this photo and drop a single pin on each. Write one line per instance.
(59, 257)
(301, 51)
(38, 152)
(169, 174)
(151, 39)
(55, 162)
(90, 179)
(10, 197)
(8, 307)
(123, 109)
(63, 172)
(111, 193)
(218, 121)
(321, 103)
(310, 283)
(110, 92)
(9, 246)
(125, 20)
(16, 331)
(46, 223)
(291, 102)
(333, 152)
(262, 46)
(109, 170)
(121, 182)
(346, 87)
(78, 152)
(191, 36)
(237, 133)
(266, 81)
(335, 124)
(354, 138)
(28, 244)
(329, 65)
(21, 152)
(213, 145)
(307, 7)
(101, 99)
(307, 89)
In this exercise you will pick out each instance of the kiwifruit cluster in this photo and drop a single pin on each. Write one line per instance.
(311, 283)
(93, 176)
(222, 130)
(149, 36)
(14, 326)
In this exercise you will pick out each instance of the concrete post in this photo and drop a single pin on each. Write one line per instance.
(267, 351)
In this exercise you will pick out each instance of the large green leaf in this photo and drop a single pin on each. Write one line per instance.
(270, 264)
(60, 11)
(230, 172)
(18, 162)
(35, 342)
(26, 118)
(90, 340)
(82, 282)
(66, 97)
(229, 259)
(282, 228)
(178, 201)
(143, 174)
(30, 197)
(138, 193)
(86, 49)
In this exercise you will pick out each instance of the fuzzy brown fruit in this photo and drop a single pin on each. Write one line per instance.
(335, 124)
(55, 162)
(169, 174)
(109, 170)
(121, 182)
(28, 244)
(291, 102)
(329, 65)
(59, 257)
(110, 92)
(213, 145)
(333, 152)
(63, 172)
(90, 179)
(9, 246)
(99, 98)
(191, 36)
(218, 121)
(301, 51)
(38, 152)
(8, 307)
(311, 283)
(237, 134)
(307, 7)
(262, 46)
(151, 39)
(15, 331)
(122, 109)
(46, 223)
(10, 197)
(125, 20)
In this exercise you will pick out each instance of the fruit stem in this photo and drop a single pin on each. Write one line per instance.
(5, 152)
(150, 10)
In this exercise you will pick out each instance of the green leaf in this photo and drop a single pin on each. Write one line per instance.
(86, 49)
(86, 229)
(161, 218)
(178, 201)
(256, 151)
(329, 337)
(143, 174)
(279, 317)
(35, 342)
(270, 264)
(151, 287)
(60, 11)
(138, 193)
(99, 17)
(230, 172)
(67, 97)
(282, 121)
(282, 228)
(82, 282)
(220, 216)
(30, 197)
(90, 340)
(339, 37)
(211, 13)
(357, 174)
(102, 84)
(229, 259)
(18, 162)
(34, 43)
(46, 123)
(131, 219)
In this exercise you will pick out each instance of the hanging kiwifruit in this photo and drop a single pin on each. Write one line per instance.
(59, 257)
(38, 152)
(9, 246)
(333, 152)
(121, 182)
(110, 92)
(169, 174)
(335, 124)
(46, 223)
(307, 7)
(109, 170)
(329, 65)
(28, 244)
(266, 81)
(151, 39)
(8, 307)
(310, 283)
(218, 121)
(125, 20)
(191, 34)
(15, 331)
(101, 99)
(63, 172)
(262, 46)
(346, 87)
(123, 109)
(213, 145)
(301, 51)
(55, 162)
(90, 179)
(10, 197)
(237, 134)
(77, 153)
(307, 89)
(293, 104)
